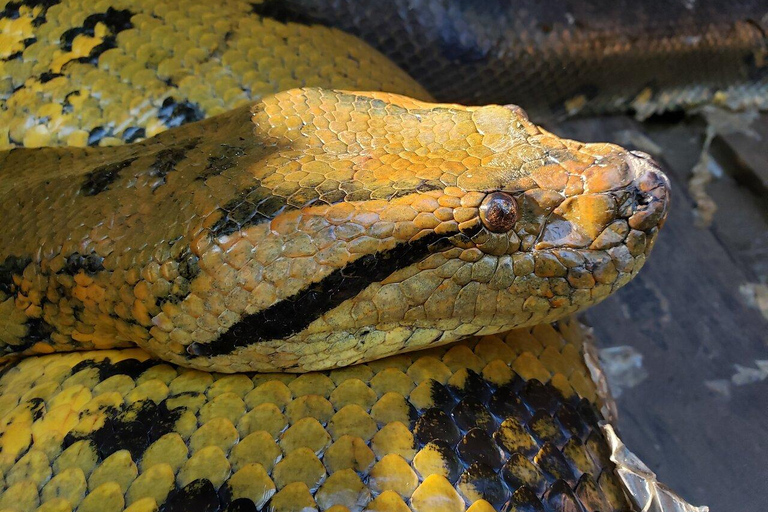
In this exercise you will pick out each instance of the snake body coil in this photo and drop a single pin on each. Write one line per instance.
(301, 231)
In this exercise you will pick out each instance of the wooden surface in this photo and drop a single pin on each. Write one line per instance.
(704, 435)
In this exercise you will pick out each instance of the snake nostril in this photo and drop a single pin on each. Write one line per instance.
(649, 199)
(641, 199)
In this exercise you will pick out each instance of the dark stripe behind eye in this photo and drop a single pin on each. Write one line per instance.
(292, 315)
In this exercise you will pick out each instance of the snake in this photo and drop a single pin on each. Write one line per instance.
(249, 263)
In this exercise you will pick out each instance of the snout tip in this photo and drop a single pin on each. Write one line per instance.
(652, 192)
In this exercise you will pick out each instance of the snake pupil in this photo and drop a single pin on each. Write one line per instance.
(498, 212)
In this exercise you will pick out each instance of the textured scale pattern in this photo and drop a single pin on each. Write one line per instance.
(498, 421)
(310, 230)
(316, 229)
(578, 58)
(107, 72)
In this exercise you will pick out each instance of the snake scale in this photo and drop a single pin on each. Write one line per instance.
(231, 280)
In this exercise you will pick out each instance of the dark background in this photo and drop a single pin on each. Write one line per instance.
(702, 433)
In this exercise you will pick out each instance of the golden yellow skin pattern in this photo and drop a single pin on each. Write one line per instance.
(338, 440)
(217, 55)
(343, 438)
(349, 175)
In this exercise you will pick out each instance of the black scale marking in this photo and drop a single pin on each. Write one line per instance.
(99, 180)
(115, 20)
(277, 10)
(465, 433)
(291, 315)
(252, 206)
(91, 264)
(174, 113)
(133, 428)
(166, 160)
(12, 266)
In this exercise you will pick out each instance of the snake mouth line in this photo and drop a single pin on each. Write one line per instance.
(293, 314)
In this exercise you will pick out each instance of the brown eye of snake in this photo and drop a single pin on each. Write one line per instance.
(498, 212)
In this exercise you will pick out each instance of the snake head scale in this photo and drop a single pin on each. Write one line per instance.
(320, 228)
(405, 225)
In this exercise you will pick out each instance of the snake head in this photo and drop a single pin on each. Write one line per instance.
(574, 227)
(379, 224)
(546, 226)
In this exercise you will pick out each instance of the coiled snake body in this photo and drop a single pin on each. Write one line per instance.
(308, 231)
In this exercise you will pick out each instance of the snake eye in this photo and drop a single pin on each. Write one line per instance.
(498, 211)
